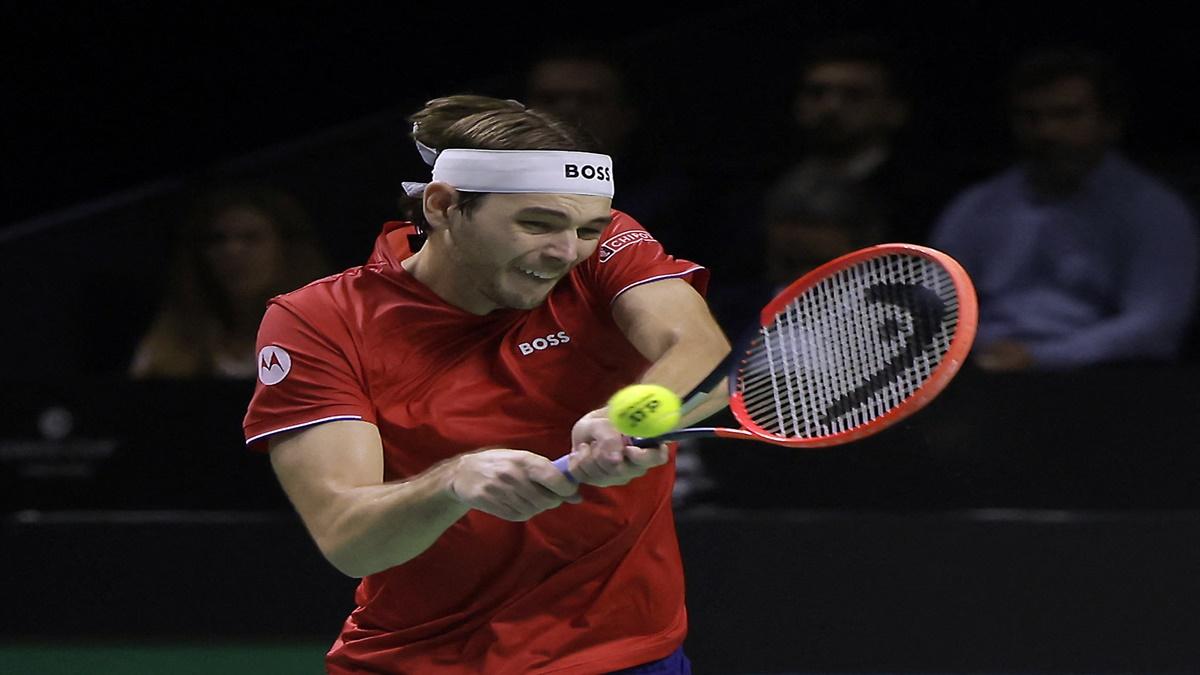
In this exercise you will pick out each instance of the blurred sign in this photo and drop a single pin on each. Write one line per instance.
(111, 443)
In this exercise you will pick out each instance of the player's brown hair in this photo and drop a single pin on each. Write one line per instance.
(484, 123)
(471, 122)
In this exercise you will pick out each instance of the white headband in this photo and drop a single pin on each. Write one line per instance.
(522, 171)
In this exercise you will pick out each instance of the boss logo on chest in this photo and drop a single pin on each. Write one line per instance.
(543, 343)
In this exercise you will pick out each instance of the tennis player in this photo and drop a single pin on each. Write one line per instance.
(412, 408)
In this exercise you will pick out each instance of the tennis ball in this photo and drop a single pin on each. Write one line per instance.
(644, 410)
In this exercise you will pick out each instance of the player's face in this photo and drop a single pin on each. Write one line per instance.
(513, 248)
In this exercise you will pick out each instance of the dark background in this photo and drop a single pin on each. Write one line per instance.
(1024, 523)
(120, 112)
(104, 96)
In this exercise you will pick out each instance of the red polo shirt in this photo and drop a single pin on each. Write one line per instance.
(578, 589)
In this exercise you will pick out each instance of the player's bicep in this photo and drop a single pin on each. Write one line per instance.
(317, 464)
(657, 316)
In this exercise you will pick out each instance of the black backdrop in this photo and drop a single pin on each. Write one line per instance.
(107, 97)
(103, 96)
(123, 109)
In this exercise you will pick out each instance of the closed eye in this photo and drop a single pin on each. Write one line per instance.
(535, 227)
(539, 227)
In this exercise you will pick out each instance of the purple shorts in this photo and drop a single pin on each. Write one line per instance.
(675, 663)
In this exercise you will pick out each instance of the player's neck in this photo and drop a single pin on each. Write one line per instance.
(435, 271)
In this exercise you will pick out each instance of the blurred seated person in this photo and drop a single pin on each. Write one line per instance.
(851, 108)
(803, 230)
(238, 248)
(585, 88)
(584, 85)
(807, 230)
(1079, 256)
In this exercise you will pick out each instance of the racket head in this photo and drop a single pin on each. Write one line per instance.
(855, 346)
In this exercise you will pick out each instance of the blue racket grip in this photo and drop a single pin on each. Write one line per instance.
(561, 465)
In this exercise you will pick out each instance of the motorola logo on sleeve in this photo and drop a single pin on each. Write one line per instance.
(274, 364)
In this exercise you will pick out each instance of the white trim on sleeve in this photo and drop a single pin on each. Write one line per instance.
(657, 278)
(302, 425)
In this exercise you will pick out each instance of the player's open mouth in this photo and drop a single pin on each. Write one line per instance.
(541, 276)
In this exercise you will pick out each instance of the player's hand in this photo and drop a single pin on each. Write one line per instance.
(510, 484)
(600, 456)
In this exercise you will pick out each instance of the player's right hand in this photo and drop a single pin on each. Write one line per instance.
(591, 465)
(511, 484)
(600, 456)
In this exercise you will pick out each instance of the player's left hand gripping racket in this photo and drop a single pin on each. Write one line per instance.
(846, 351)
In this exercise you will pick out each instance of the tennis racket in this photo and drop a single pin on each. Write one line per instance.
(844, 352)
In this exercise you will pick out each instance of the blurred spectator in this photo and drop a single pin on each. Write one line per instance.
(850, 109)
(806, 230)
(235, 250)
(1079, 256)
(586, 89)
(583, 85)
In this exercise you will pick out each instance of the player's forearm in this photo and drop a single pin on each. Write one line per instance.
(686, 363)
(669, 324)
(371, 528)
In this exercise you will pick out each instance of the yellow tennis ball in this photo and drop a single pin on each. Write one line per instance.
(644, 410)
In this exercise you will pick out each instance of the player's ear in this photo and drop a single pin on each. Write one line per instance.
(436, 201)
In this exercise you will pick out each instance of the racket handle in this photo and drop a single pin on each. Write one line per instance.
(563, 463)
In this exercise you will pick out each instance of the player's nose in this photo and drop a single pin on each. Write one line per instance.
(563, 247)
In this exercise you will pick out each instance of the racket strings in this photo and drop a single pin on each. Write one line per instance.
(850, 348)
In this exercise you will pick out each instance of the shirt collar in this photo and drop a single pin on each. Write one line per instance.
(394, 244)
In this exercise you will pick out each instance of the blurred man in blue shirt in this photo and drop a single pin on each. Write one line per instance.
(1079, 256)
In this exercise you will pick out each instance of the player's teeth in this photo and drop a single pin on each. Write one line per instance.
(536, 275)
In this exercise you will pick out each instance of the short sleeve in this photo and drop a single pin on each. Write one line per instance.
(307, 374)
(629, 256)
